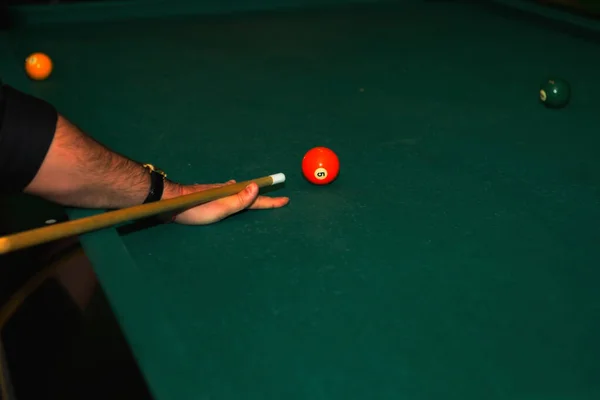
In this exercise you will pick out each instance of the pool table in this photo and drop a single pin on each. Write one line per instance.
(457, 254)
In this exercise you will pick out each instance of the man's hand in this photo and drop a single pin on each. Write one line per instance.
(78, 171)
(217, 210)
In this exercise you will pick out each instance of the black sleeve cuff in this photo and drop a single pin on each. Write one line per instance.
(26, 132)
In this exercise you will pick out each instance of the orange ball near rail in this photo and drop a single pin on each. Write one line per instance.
(38, 66)
(320, 166)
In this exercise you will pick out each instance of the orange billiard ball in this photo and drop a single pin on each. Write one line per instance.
(38, 66)
(320, 166)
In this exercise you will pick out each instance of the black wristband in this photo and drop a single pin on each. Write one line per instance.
(157, 184)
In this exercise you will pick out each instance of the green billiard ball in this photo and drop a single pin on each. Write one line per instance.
(555, 92)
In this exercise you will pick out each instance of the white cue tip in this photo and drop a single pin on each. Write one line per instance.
(278, 178)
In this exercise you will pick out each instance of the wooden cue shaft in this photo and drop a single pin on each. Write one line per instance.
(46, 234)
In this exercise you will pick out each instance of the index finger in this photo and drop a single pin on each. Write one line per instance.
(264, 202)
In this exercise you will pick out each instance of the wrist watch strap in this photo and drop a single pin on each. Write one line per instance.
(157, 183)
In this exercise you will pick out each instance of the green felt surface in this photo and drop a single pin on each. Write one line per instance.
(455, 257)
(90, 11)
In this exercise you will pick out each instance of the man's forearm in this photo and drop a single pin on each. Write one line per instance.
(78, 171)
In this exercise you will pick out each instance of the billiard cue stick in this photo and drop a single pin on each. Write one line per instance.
(46, 234)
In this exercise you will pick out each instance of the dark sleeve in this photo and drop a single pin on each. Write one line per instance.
(27, 126)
